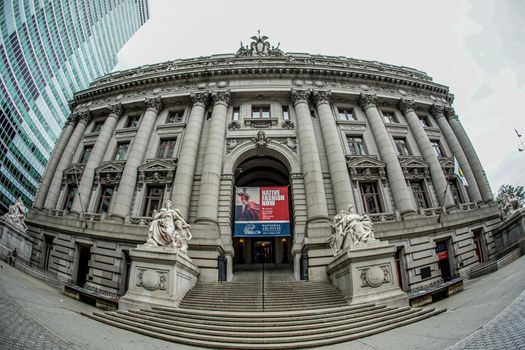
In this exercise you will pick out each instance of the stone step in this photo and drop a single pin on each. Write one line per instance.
(269, 341)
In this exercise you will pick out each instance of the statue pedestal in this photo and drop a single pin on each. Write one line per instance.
(366, 273)
(159, 276)
(13, 236)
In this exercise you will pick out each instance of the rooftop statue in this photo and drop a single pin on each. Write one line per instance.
(16, 214)
(350, 229)
(259, 47)
(169, 229)
(509, 204)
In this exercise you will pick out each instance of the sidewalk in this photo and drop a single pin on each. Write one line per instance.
(37, 316)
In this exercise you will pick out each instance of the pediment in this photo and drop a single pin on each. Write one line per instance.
(111, 167)
(365, 162)
(446, 163)
(413, 162)
(74, 169)
(158, 165)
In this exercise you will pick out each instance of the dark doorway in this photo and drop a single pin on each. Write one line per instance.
(401, 267)
(127, 270)
(443, 260)
(478, 245)
(263, 251)
(48, 247)
(84, 255)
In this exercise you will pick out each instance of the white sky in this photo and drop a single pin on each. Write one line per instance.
(476, 47)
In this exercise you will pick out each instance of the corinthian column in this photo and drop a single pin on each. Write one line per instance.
(95, 159)
(135, 158)
(317, 209)
(470, 153)
(212, 169)
(181, 192)
(336, 159)
(65, 161)
(400, 191)
(437, 112)
(53, 162)
(423, 142)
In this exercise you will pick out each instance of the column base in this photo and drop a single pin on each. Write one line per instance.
(159, 276)
(367, 274)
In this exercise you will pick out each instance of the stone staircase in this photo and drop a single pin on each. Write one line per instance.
(249, 314)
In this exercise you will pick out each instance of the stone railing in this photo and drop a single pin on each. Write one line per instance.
(56, 212)
(467, 206)
(94, 216)
(140, 220)
(430, 211)
(383, 217)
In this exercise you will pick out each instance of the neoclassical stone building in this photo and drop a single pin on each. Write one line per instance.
(335, 130)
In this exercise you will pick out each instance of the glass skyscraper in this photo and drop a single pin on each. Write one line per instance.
(49, 49)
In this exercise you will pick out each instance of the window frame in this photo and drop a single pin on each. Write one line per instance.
(375, 196)
(348, 114)
(261, 109)
(405, 144)
(236, 113)
(389, 117)
(441, 153)
(83, 159)
(97, 126)
(130, 118)
(150, 197)
(117, 150)
(424, 120)
(173, 148)
(285, 112)
(179, 116)
(354, 143)
(102, 196)
(422, 194)
(71, 192)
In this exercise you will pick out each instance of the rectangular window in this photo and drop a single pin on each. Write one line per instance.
(133, 121)
(236, 113)
(424, 121)
(260, 112)
(174, 117)
(154, 200)
(208, 115)
(455, 192)
(97, 125)
(402, 147)
(371, 197)
(86, 154)
(122, 151)
(167, 148)
(286, 115)
(419, 194)
(356, 145)
(70, 196)
(346, 114)
(389, 117)
(437, 148)
(106, 192)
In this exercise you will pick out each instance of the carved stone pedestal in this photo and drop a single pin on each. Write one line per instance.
(366, 273)
(13, 236)
(159, 276)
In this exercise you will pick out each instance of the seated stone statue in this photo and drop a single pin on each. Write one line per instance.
(169, 229)
(509, 205)
(16, 214)
(350, 229)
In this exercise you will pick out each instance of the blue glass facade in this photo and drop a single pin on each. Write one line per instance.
(49, 50)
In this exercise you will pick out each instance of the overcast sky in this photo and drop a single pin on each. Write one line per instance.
(476, 47)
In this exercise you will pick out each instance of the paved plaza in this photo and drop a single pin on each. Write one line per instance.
(489, 314)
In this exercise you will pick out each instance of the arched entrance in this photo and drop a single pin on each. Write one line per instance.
(254, 178)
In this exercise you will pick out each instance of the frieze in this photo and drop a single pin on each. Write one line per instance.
(109, 173)
(73, 173)
(157, 171)
(290, 143)
(287, 124)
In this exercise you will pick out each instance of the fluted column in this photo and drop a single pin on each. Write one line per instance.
(400, 190)
(53, 162)
(66, 159)
(423, 142)
(313, 175)
(437, 112)
(212, 168)
(339, 175)
(470, 153)
(135, 158)
(182, 185)
(81, 200)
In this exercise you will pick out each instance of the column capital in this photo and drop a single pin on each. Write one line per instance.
(450, 113)
(84, 116)
(116, 110)
(299, 96)
(406, 105)
(154, 103)
(221, 96)
(437, 111)
(72, 119)
(322, 96)
(367, 100)
(202, 98)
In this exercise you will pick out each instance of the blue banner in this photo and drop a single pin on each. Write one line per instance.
(258, 229)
